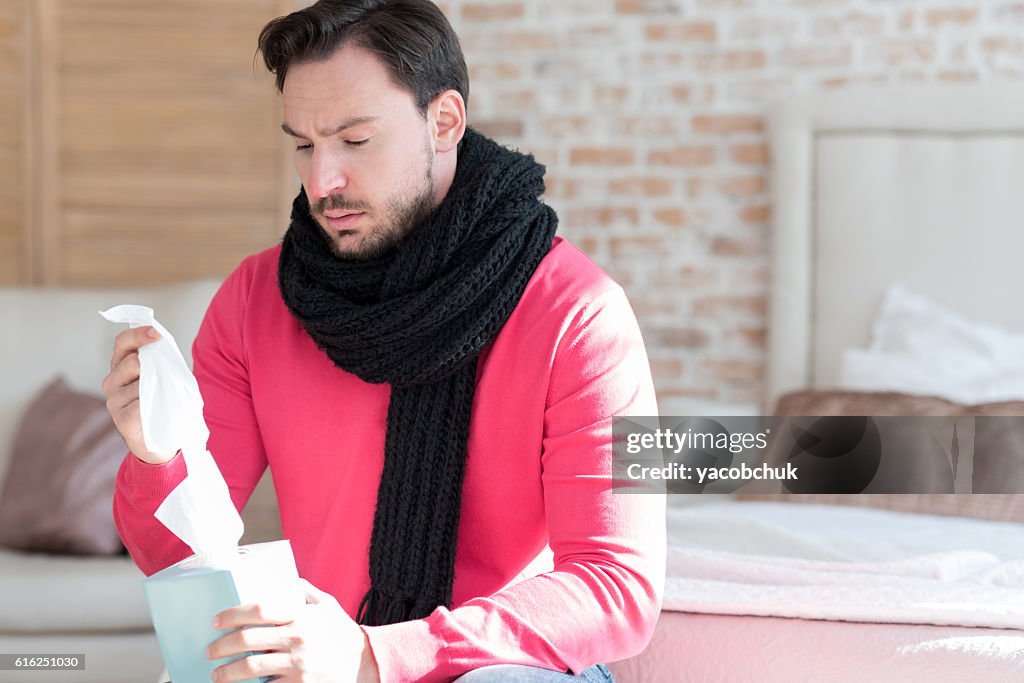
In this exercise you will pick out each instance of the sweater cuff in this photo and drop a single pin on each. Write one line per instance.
(410, 650)
(150, 481)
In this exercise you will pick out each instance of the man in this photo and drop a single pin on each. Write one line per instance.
(430, 375)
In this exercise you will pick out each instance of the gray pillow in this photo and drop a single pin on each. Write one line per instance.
(59, 488)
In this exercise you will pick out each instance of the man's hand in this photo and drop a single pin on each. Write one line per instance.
(121, 387)
(318, 643)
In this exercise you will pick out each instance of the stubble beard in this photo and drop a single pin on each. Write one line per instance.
(401, 216)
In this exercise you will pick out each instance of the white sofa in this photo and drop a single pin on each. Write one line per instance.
(62, 604)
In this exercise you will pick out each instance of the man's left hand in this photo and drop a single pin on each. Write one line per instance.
(317, 643)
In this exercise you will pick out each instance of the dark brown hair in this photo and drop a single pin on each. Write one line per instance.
(411, 37)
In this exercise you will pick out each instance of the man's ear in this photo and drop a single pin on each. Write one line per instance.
(447, 114)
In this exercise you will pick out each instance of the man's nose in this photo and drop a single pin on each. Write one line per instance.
(327, 175)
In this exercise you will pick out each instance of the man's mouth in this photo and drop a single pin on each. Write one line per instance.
(341, 220)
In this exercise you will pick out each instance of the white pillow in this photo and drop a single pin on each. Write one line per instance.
(920, 347)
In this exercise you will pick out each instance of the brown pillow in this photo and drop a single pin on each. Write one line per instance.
(998, 451)
(822, 402)
(59, 486)
(827, 402)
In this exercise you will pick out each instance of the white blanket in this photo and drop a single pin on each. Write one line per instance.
(973, 574)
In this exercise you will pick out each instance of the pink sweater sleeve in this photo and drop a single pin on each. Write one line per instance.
(234, 438)
(139, 491)
(602, 600)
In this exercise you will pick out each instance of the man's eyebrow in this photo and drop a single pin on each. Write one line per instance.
(349, 123)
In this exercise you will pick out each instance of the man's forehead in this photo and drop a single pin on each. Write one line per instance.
(351, 84)
(348, 70)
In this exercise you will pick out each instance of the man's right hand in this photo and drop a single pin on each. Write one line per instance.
(121, 387)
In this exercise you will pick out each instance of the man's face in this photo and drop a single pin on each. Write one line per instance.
(363, 151)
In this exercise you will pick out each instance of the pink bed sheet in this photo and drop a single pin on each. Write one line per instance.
(737, 649)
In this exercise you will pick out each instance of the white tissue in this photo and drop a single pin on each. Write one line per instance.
(199, 511)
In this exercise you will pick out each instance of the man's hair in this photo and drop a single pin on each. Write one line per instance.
(411, 37)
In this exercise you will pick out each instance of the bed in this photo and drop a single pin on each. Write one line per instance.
(896, 219)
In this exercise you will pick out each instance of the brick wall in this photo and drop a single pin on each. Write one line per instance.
(650, 117)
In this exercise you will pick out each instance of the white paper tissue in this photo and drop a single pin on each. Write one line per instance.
(199, 511)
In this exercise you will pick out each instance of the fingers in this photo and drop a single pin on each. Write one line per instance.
(253, 666)
(252, 639)
(130, 341)
(254, 614)
(124, 364)
(123, 397)
(122, 375)
(121, 387)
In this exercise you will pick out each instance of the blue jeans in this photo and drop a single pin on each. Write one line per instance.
(515, 673)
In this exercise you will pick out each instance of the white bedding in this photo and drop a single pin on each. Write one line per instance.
(826, 532)
(845, 564)
(783, 592)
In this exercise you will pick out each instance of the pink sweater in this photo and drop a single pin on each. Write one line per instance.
(552, 568)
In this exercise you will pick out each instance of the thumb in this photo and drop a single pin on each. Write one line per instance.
(314, 596)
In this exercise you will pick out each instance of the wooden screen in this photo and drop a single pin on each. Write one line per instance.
(15, 251)
(158, 154)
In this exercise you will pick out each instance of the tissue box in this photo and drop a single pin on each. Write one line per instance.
(184, 598)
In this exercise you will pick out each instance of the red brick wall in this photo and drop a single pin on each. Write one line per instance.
(650, 117)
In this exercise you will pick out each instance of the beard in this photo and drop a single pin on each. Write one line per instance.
(400, 215)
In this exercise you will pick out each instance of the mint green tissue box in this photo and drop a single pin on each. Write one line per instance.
(184, 598)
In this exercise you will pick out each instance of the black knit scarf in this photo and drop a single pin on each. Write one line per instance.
(417, 318)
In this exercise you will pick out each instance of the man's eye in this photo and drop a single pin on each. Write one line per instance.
(305, 146)
(357, 143)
